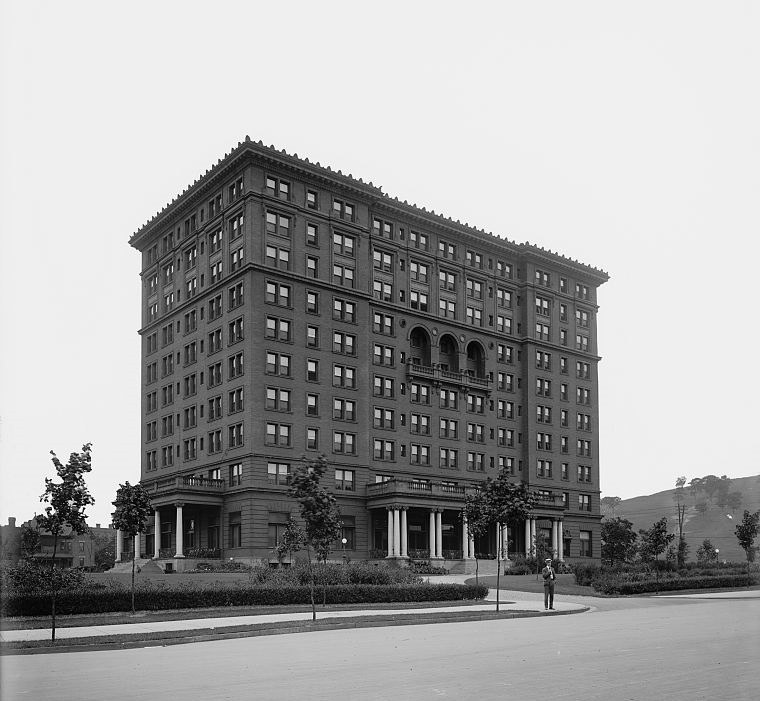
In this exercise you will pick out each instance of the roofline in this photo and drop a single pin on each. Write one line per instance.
(348, 182)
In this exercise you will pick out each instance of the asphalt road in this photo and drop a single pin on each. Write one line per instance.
(666, 649)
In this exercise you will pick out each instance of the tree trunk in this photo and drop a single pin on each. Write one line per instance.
(133, 581)
(498, 576)
(311, 586)
(53, 585)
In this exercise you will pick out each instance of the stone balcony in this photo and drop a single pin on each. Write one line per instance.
(438, 376)
(183, 488)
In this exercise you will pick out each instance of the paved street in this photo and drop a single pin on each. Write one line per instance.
(650, 649)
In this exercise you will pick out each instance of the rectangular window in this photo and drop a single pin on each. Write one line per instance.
(278, 473)
(278, 364)
(383, 418)
(447, 458)
(344, 443)
(312, 404)
(419, 424)
(584, 502)
(383, 387)
(343, 275)
(383, 355)
(277, 399)
(449, 399)
(235, 331)
(344, 310)
(382, 261)
(475, 462)
(312, 370)
(278, 329)
(344, 376)
(278, 434)
(382, 228)
(344, 210)
(275, 187)
(384, 449)
(418, 300)
(585, 544)
(382, 290)
(419, 454)
(235, 366)
(312, 234)
(235, 400)
(277, 257)
(235, 528)
(312, 302)
(344, 480)
(419, 394)
(344, 409)
(382, 323)
(418, 240)
(278, 224)
(447, 308)
(277, 293)
(236, 474)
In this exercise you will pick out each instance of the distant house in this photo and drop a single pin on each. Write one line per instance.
(72, 550)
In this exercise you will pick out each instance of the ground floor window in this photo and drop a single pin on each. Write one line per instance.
(236, 539)
(166, 534)
(585, 538)
(278, 520)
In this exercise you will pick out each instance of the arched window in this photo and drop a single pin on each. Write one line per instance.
(476, 364)
(448, 354)
(419, 343)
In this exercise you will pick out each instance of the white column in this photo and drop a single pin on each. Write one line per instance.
(527, 537)
(505, 541)
(156, 533)
(533, 537)
(555, 548)
(119, 545)
(499, 544)
(180, 534)
(396, 532)
(404, 543)
(560, 543)
(431, 533)
(438, 534)
(471, 544)
(390, 533)
(137, 546)
(465, 539)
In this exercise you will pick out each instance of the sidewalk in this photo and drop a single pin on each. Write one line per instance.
(515, 602)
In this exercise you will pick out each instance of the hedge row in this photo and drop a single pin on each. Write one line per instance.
(88, 601)
(612, 585)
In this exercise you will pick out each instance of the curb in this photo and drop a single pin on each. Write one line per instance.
(131, 641)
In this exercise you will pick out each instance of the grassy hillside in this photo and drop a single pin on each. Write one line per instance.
(716, 523)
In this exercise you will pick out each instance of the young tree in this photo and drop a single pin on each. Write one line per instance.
(706, 552)
(618, 540)
(320, 514)
(131, 516)
(477, 513)
(746, 532)
(498, 501)
(66, 503)
(291, 541)
(655, 541)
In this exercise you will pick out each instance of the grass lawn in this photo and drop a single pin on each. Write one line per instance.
(527, 582)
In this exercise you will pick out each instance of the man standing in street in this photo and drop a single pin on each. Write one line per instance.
(549, 576)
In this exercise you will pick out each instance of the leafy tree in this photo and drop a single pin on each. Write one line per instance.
(30, 541)
(131, 516)
(498, 501)
(609, 504)
(618, 540)
(66, 503)
(477, 512)
(746, 532)
(706, 552)
(291, 541)
(105, 552)
(655, 541)
(320, 514)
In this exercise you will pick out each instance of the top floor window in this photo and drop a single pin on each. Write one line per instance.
(447, 250)
(418, 240)
(382, 228)
(543, 279)
(344, 210)
(343, 244)
(312, 199)
(474, 259)
(503, 269)
(278, 188)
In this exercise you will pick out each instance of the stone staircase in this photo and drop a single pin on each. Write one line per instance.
(126, 567)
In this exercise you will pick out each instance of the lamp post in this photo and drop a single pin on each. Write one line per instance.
(343, 542)
(717, 552)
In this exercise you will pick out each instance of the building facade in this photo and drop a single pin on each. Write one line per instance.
(290, 310)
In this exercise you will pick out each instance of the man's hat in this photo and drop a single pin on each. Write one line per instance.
(548, 559)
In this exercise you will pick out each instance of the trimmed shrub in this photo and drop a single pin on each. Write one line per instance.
(30, 577)
(585, 573)
(155, 599)
(614, 585)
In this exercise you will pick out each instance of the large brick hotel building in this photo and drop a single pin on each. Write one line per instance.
(291, 310)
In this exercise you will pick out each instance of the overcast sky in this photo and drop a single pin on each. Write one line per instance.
(622, 134)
